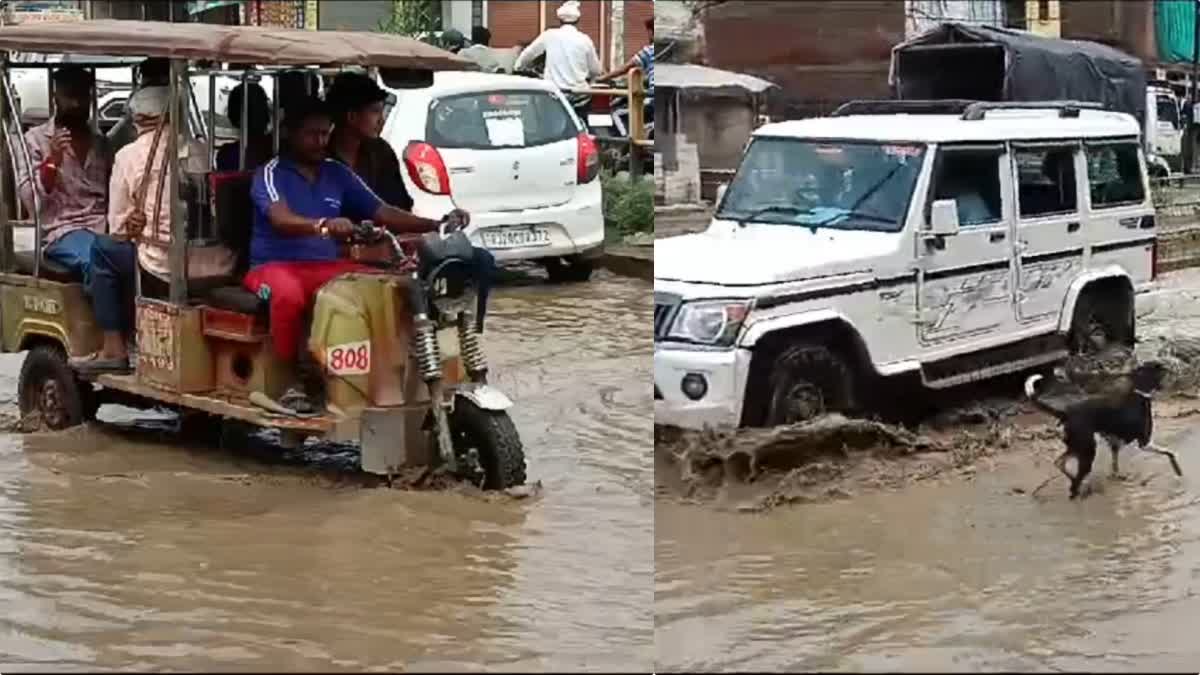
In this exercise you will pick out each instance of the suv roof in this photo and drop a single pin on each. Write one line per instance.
(463, 81)
(997, 125)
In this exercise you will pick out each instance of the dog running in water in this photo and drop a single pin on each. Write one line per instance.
(1120, 420)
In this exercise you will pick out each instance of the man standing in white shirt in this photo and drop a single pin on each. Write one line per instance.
(571, 58)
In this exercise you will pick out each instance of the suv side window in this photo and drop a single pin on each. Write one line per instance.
(1045, 180)
(1114, 175)
(971, 177)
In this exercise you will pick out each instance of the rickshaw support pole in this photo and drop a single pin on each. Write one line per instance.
(177, 255)
(6, 235)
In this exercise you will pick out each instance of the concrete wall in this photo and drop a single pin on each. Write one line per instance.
(675, 23)
(1125, 24)
(1049, 25)
(819, 53)
(719, 126)
(357, 15)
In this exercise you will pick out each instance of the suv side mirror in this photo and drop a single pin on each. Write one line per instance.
(943, 218)
(720, 193)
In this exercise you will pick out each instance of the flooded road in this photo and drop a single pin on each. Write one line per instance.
(947, 575)
(118, 551)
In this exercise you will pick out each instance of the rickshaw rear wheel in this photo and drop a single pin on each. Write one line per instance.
(47, 387)
(499, 458)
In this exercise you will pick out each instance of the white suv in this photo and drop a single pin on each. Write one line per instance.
(877, 243)
(511, 151)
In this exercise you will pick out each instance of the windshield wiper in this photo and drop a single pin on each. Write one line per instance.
(790, 208)
(860, 215)
(853, 210)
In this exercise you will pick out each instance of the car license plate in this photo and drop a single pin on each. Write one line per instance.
(516, 237)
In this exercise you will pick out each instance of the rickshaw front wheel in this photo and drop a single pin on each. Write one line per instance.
(48, 389)
(488, 446)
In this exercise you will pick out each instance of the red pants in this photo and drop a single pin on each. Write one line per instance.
(293, 285)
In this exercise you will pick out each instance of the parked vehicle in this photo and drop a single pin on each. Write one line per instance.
(510, 150)
(402, 366)
(1163, 129)
(952, 242)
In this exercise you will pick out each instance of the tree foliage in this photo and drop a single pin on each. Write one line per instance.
(418, 19)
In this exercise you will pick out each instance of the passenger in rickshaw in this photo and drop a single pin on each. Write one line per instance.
(140, 216)
(356, 103)
(70, 167)
(152, 72)
(259, 145)
(301, 200)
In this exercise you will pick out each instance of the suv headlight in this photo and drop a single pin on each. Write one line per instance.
(710, 322)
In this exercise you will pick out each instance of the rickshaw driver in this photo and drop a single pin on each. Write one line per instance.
(71, 166)
(299, 201)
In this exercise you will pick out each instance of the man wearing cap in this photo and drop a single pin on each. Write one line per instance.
(571, 57)
(71, 165)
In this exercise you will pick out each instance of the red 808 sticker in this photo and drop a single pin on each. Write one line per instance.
(351, 358)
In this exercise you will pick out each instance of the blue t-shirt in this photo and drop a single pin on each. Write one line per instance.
(336, 192)
(645, 59)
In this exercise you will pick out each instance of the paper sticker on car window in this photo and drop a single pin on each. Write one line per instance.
(504, 127)
(505, 131)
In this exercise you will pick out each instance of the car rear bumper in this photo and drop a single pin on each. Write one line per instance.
(574, 228)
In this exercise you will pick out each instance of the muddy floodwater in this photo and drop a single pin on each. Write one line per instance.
(120, 551)
(955, 574)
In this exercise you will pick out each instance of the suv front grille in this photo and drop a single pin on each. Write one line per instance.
(664, 312)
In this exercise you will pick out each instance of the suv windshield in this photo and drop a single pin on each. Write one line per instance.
(831, 184)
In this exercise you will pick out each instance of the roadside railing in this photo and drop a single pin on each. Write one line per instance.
(1177, 207)
(635, 93)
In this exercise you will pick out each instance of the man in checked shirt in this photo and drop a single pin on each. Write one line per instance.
(71, 167)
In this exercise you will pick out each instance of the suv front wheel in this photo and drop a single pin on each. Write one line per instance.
(806, 381)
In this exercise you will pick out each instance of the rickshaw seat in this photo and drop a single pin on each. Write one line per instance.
(232, 212)
(50, 269)
(235, 299)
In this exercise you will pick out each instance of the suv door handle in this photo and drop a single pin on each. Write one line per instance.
(996, 236)
(1072, 227)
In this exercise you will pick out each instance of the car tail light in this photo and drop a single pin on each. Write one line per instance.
(426, 168)
(588, 162)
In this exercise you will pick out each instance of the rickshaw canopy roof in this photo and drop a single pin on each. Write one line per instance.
(228, 44)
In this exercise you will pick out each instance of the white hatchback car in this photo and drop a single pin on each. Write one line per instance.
(509, 150)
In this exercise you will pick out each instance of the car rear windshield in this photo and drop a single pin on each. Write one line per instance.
(499, 119)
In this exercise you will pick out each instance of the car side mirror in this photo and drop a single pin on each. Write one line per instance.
(721, 193)
(943, 218)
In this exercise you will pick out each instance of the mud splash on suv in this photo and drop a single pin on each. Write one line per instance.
(835, 457)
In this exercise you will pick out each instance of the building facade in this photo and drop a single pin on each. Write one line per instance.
(822, 54)
(616, 26)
